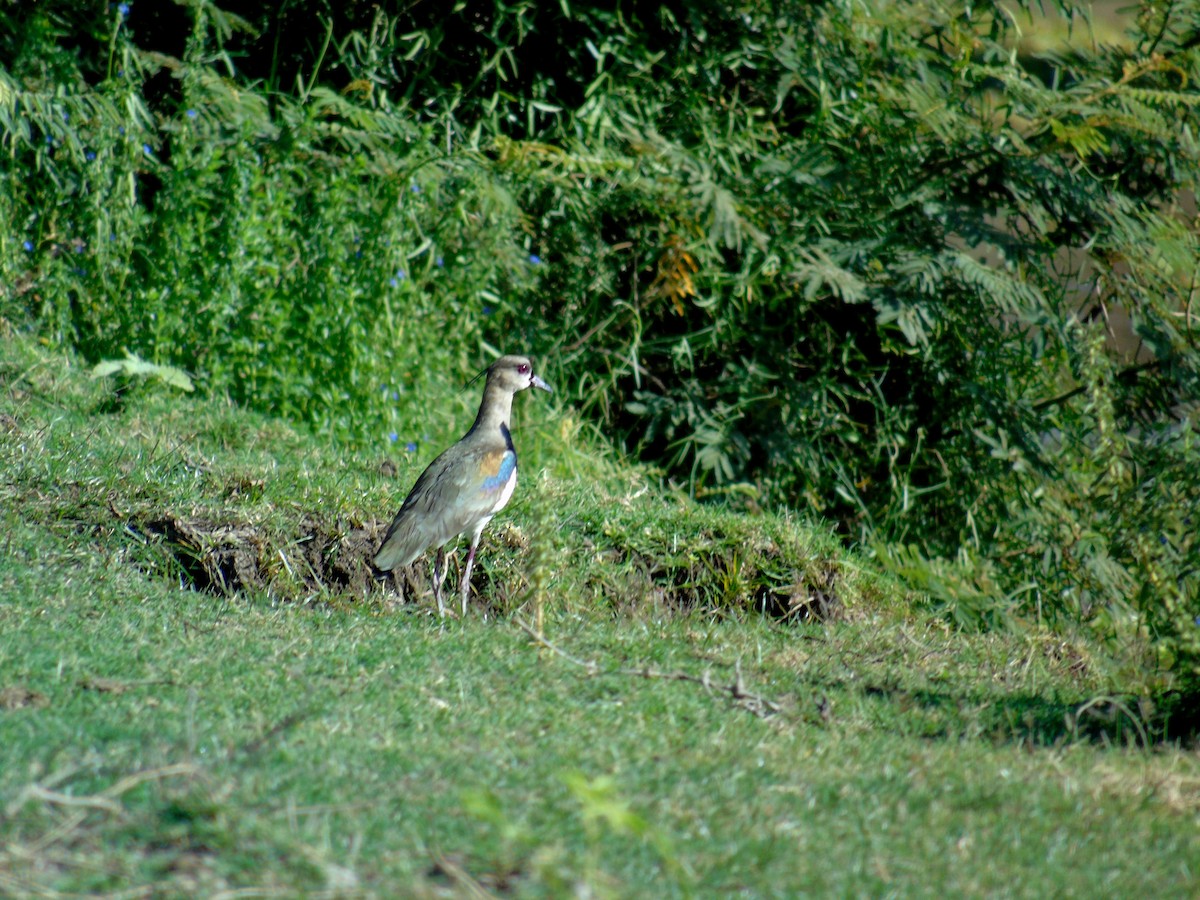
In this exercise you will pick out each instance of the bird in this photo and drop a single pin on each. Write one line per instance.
(465, 486)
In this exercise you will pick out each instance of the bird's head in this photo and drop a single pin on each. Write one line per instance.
(515, 373)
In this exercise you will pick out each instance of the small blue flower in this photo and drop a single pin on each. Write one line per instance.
(411, 447)
(399, 277)
(50, 140)
(395, 395)
(358, 254)
(1198, 621)
(393, 437)
(28, 245)
(416, 188)
(79, 247)
(439, 262)
(90, 155)
(487, 310)
(146, 149)
(123, 10)
(120, 128)
(66, 117)
(191, 114)
(535, 259)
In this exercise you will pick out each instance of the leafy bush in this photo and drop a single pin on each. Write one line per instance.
(310, 255)
(864, 258)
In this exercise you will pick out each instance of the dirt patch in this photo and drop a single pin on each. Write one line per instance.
(718, 573)
(18, 696)
(217, 557)
(332, 558)
(813, 597)
(340, 557)
(225, 558)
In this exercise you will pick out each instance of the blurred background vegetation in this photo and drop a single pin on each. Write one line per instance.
(927, 270)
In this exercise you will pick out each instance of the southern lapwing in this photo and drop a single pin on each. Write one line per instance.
(465, 486)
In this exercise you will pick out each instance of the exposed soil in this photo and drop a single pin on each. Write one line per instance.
(224, 558)
(333, 559)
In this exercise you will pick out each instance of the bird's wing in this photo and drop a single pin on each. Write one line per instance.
(460, 489)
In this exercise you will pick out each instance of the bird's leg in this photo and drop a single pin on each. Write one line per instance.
(466, 578)
(439, 575)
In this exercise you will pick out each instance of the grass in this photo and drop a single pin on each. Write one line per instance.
(722, 704)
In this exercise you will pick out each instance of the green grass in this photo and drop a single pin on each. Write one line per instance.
(310, 734)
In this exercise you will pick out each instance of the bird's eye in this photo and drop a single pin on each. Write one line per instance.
(523, 368)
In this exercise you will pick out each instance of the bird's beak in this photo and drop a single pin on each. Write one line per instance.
(536, 382)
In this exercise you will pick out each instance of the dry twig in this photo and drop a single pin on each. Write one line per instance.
(463, 880)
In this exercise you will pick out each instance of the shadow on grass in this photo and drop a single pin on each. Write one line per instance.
(1168, 718)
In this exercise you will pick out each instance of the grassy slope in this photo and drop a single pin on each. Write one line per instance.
(309, 734)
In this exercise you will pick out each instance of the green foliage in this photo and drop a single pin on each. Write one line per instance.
(298, 254)
(872, 260)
